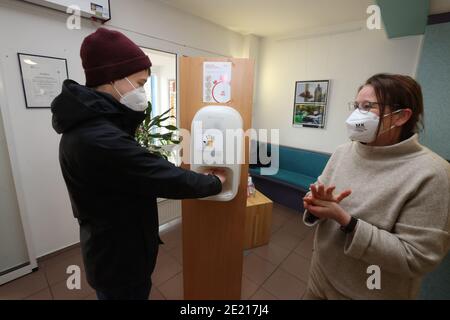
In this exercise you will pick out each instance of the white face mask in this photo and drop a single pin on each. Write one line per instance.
(136, 99)
(363, 127)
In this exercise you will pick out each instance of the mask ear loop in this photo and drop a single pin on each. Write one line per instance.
(112, 83)
(126, 78)
(390, 114)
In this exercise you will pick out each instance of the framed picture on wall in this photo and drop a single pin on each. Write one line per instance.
(42, 78)
(310, 103)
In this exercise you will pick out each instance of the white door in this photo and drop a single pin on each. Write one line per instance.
(14, 255)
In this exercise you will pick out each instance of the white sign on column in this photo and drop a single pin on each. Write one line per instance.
(217, 82)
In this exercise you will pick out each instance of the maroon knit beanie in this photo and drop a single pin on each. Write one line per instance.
(109, 55)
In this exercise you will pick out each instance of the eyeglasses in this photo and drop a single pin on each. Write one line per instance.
(364, 107)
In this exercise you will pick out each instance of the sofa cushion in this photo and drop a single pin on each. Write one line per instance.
(294, 178)
(297, 167)
(298, 180)
(305, 162)
(254, 171)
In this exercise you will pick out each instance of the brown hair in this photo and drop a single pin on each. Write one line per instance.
(399, 92)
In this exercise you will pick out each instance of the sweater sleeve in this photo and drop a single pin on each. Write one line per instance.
(420, 238)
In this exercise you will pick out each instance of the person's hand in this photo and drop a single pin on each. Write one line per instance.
(322, 203)
(328, 210)
(321, 192)
(219, 173)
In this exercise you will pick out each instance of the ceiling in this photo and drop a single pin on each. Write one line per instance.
(279, 17)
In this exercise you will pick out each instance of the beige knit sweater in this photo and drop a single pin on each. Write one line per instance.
(401, 194)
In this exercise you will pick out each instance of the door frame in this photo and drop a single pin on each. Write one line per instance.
(13, 159)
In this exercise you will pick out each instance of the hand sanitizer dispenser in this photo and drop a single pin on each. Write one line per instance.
(217, 139)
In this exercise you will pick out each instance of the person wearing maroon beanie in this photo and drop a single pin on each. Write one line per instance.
(112, 181)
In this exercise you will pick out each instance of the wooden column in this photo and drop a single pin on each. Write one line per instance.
(213, 232)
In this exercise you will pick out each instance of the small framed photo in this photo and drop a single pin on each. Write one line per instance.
(173, 101)
(310, 103)
(97, 9)
(42, 78)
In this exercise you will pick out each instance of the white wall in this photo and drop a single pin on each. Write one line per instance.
(347, 59)
(251, 50)
(31, 29)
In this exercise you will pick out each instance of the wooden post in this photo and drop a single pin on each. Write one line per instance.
(213, 232)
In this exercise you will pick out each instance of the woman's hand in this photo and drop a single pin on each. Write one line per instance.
(327, 210)
(321, 192)
(322, 203)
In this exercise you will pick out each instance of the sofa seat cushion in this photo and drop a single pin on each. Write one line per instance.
(298, 180)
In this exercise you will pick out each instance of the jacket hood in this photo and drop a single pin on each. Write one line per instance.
(77, 104)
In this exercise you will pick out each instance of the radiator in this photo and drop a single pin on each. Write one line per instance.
(168, 210)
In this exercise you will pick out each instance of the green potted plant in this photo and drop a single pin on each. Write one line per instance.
(156, 135)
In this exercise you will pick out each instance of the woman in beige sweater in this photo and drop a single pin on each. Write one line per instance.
(389, 224)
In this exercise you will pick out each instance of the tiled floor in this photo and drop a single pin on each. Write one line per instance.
(275, 271)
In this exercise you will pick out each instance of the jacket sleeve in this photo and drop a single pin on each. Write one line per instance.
(123, 164)
(419, 240)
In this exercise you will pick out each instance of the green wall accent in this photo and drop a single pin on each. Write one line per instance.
(434, 76)
(436, 284)
(404, 17)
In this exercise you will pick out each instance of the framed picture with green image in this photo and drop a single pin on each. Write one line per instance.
(310, 104)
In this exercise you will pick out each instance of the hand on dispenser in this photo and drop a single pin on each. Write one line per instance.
(219, 173)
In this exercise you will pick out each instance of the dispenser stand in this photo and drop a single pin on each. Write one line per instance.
(213, 232)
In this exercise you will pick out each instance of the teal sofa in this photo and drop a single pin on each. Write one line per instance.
(298, 168)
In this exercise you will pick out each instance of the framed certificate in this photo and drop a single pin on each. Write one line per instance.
(42, 78)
